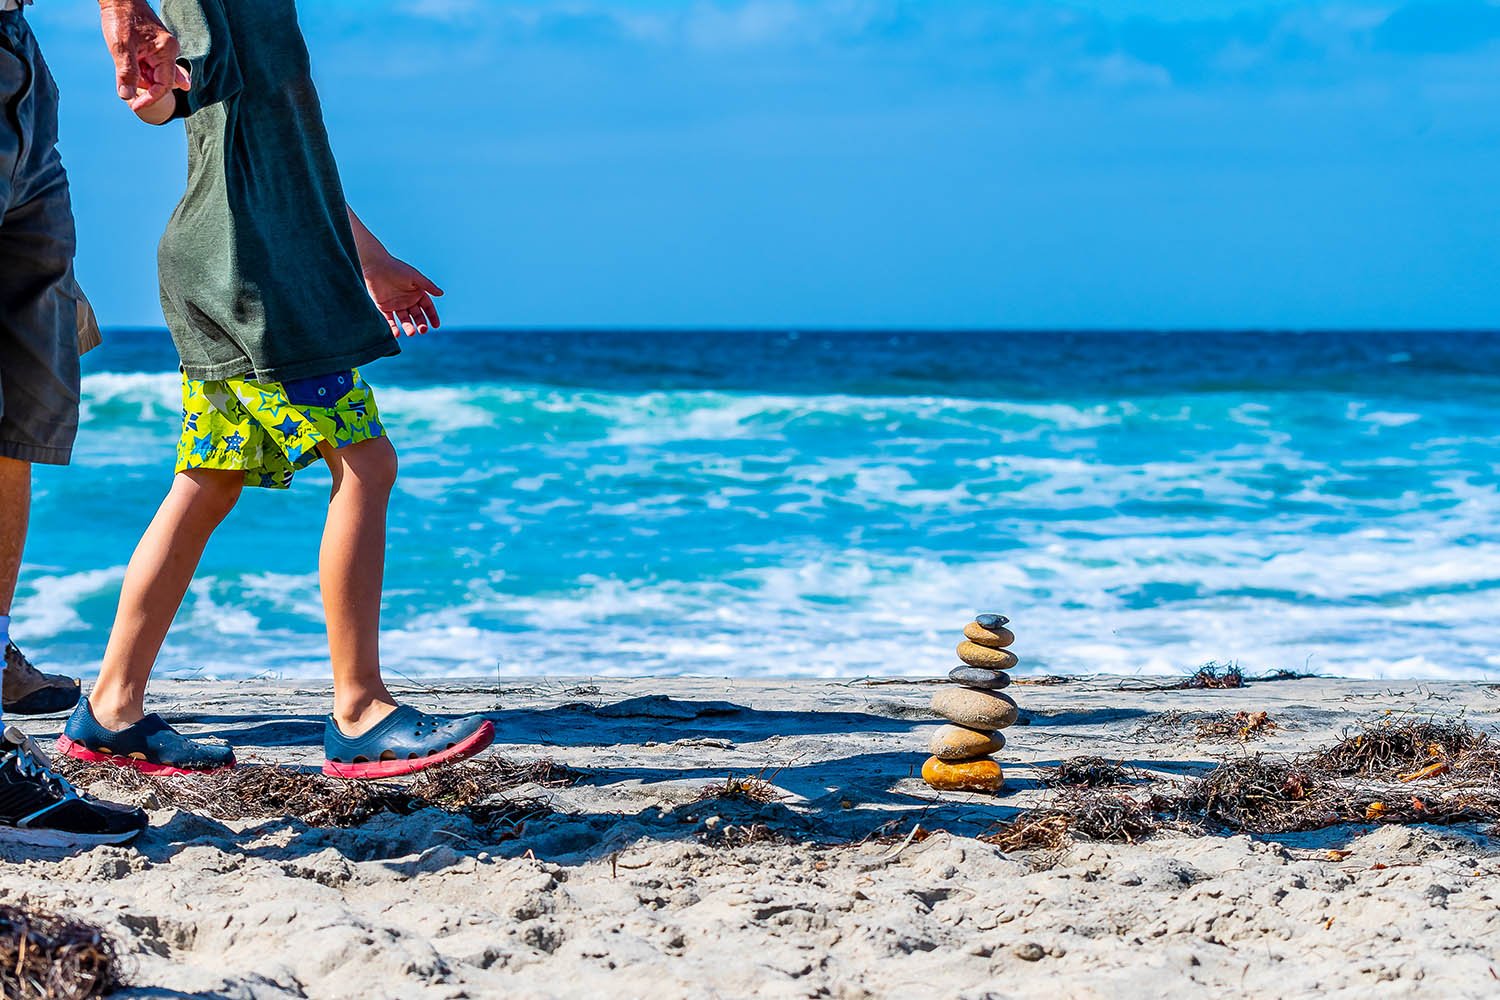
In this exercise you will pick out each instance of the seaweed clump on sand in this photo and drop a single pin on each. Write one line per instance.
(1405, 749)
(1086, 814)
(1089, 772)
(757, 790)
(1256, 794)
(51, 957)
(1241, 727)
(474, 789)
(1398, 770)
(1213, 676)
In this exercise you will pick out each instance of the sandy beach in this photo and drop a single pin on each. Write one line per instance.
(630, 882)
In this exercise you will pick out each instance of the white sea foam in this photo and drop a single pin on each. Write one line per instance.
(826, 535)
(47, 606)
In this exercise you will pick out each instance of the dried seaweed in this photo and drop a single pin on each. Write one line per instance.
(1255, 793)
(1239, 727)
(51, 957)
(1161, 728)
(257, 791)
(1213, 676)
(1033, 830)
(1089, 772)
(1398, 770)
(1109, 817)
(740, 789)
(1401, 745)
(1086, 814)
(1282, 675)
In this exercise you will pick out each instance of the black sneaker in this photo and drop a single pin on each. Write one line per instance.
(38, 806)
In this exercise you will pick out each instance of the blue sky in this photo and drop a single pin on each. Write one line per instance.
(1221, 163)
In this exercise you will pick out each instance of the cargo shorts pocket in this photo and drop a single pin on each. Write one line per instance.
(319, 390)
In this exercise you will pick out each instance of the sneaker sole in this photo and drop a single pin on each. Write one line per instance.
(77, 751)
(61, 838)
(463, 750)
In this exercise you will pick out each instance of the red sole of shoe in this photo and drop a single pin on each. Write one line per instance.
(78, 751)
(482, 738)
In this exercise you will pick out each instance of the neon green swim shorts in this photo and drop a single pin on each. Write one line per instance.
(269, 430)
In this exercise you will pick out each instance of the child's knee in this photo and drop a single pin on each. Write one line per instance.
(212, 493)
(374, 465)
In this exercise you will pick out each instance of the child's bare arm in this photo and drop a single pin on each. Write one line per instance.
(401, 292)
(160, 111)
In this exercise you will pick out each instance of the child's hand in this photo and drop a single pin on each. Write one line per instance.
(403, 295)
(160, 112)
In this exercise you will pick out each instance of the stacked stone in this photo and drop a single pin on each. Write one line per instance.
(976, 711)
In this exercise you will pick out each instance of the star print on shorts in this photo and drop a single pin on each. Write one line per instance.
(269, 430)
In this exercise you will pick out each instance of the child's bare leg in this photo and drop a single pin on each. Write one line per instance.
(351, 570)
(155, 583)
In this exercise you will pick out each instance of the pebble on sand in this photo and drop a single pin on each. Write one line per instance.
(979, 677)
(997, 637)
(980, 775)
(950, 743)
(976, 655)
(975, 709)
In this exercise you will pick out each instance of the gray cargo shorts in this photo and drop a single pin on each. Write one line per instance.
(38, 311)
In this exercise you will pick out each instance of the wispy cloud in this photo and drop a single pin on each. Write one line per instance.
(1047, 43)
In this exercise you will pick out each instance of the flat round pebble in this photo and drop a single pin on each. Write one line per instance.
(979, 677)
(950, 743)
(998, 637)
(980, 775)
(991, 621)
(976, 655)
(975, 709)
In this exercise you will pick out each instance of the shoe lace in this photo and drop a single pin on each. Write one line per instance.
(33, 762)
(18, 667)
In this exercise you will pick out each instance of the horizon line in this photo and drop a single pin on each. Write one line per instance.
(1007, 330)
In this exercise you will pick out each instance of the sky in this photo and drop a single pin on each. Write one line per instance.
(874, 163)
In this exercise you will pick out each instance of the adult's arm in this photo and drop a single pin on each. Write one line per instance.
(145, 52)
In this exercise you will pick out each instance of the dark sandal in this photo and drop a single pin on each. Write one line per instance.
(404, 742)
(150, 746)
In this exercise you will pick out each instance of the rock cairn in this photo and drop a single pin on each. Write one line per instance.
(976, 711)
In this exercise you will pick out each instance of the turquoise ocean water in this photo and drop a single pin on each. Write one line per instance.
(822, 504)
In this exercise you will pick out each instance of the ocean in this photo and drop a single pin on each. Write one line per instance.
(838, 505)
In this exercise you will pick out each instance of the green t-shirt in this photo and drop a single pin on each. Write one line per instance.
(259, 272)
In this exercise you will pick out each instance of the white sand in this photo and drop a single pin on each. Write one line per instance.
(615, 895)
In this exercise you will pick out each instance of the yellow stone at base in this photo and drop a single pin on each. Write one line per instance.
(981, 774)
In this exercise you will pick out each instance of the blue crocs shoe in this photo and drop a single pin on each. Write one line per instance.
(404, 742)
(150, 746)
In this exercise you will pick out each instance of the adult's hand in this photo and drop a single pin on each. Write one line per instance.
(144, 51)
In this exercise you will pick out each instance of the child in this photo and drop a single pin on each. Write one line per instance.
(266, 282)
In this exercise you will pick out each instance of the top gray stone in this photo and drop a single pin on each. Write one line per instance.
(991, 621)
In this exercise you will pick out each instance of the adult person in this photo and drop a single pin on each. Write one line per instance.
(39, 379)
